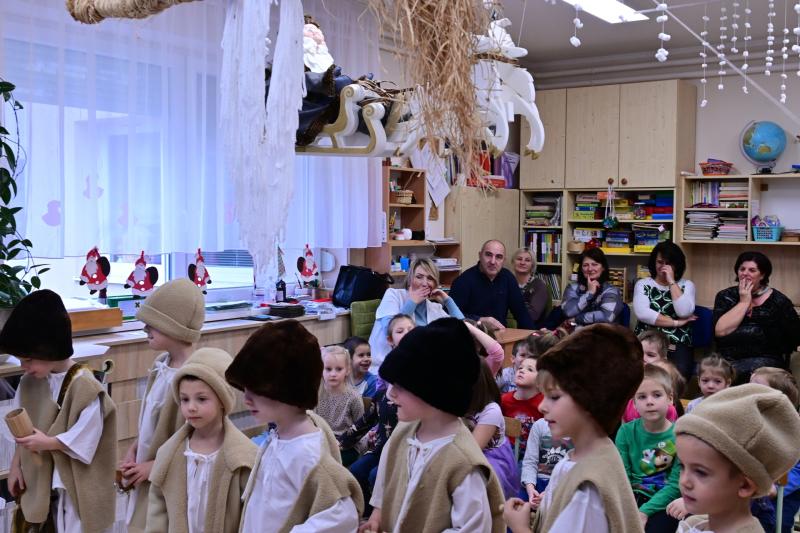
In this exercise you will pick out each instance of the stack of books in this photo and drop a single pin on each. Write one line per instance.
(586, 206)
(543, 212)
(553, 282)
(446, 263)
(701, 226)
(733, 194)
(645, 237)
(732, 228)
(587, 234)
(618, 241)
(618, 278)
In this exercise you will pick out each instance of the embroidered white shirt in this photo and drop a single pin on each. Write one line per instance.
(198, 473)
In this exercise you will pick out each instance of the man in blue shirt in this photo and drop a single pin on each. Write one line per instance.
(487, 291)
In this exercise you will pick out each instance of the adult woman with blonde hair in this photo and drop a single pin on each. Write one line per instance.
(421, 299)
(534, 291)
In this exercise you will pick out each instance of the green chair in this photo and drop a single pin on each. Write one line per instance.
(362, 317)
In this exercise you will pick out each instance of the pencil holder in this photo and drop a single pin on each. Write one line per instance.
(19, 423)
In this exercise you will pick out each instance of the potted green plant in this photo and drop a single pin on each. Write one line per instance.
(16, 281)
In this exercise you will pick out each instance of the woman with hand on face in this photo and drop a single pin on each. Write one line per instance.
(754, 324)
(666, 302)
(422, 299)
(534, 291)
(592, 299)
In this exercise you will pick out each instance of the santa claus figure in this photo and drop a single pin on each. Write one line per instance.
(309, 272)
(198, 273)
(143, 279)
(95, 272)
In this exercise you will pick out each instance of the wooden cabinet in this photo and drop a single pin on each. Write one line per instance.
(473, 216)
(638, 134)
(657, 133)
(592, 147)
(547, 170)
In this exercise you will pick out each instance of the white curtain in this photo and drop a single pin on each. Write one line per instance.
(120, 130)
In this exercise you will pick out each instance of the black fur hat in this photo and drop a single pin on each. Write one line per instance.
(438, 363)
(600, 366)
(39, 327)
(281, 361)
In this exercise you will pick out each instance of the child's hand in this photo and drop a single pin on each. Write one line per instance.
(138, 472)
(130, 457)
(517, 515)
(39, 442)
(773, 492)
(16, 483)
(677, 509)
(373, 524)
(532, 493)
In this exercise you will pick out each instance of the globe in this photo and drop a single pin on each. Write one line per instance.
(762, 143)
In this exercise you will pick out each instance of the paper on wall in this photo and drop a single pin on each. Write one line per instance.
(435, 172)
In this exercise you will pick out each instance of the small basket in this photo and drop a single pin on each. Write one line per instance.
(716, 168)
(575, 247)
(405, 197)
(767, 233)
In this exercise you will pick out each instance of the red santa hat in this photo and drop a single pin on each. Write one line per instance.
(199, 257)
(93, 254)
(141, 260)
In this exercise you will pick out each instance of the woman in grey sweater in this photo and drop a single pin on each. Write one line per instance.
(592, 299)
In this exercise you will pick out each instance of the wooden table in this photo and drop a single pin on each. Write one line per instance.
(507, 338)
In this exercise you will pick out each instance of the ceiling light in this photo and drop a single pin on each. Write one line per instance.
(612, 11)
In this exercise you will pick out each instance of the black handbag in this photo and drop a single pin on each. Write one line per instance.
(357, 283)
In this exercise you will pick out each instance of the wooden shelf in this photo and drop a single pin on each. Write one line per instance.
(722, 177)
(548, 264)
(749, 242)
(412, 206)
(446, 243)
(407, 244)
(405, 169)
(542, 227)
(646, 221)
(619, 254)
(714, 209)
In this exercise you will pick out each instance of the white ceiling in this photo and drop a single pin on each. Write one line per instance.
(546, 28)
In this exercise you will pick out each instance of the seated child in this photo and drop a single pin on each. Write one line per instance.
(586, 379)
(433, 476)
(297, 478)
(506, 378)
(173, 316)
(765, 508)
(733, 446)
(339, 403)
(678, 385)
(647, 448)
(542, 454)
(714, 374)
(381, 415)
(523, 403)
(485, 420)
(364, 381)
(62, 474)
(199, 476)
(655, 345)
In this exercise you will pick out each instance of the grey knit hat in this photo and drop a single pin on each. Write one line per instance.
(176, 309)
(208, 365)
(754, 426)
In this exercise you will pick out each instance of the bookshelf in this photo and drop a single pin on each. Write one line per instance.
(542, 232)
(711, 259)
(402, 214)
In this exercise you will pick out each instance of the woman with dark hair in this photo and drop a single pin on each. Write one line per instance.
(592, 299)
(754, 324)
(665, 301)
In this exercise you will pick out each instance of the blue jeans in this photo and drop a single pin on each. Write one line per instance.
(365, 470)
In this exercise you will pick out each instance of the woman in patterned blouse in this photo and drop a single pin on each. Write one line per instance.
(665, 301)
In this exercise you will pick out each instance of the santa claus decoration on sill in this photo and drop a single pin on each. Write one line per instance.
(198, 273)
(307, 267)
(142, 280)
(95, 272)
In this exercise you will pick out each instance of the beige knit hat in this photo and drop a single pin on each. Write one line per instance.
(208, 365)
(176, 309)
(754, 426)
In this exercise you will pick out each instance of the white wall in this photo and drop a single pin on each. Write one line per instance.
(721, 122)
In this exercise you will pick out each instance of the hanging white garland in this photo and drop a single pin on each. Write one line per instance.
(704, 56)
(747, 38)
(723, 36)
(662, 53)
(784, 50)
(577, 24)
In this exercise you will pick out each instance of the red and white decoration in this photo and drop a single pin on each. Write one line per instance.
(198, 273)
(95, 272)
(143, 279)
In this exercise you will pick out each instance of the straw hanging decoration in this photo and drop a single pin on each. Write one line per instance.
(94, 11)
(435, 41)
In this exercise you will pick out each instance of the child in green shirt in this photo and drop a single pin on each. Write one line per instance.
(647, 447)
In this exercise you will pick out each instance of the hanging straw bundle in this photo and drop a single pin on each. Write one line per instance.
(436, 43)
(94, 11)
